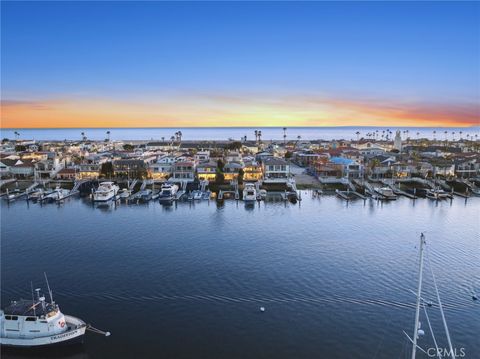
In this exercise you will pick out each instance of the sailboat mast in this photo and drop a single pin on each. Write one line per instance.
(419, 294)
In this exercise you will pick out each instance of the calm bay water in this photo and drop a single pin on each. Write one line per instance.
(187, 281)
(223, 133)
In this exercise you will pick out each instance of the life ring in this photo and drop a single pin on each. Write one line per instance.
(62, 324)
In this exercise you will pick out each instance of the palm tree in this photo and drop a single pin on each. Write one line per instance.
(418, 134)
(358, 135)
(284, 135)
(84, 137)
(259, 136)
(298, 139)
(108, 136)
(434, 134)
(453, 135)
(180, 134)
(256, 135)
(461, 135)
(446, 139)
(163, 139)
(172, 140)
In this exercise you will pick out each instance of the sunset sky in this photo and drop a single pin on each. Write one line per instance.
(158, 64)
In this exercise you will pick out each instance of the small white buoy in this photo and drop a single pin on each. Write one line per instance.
(262, 309)
(421, 332)
(107, 334)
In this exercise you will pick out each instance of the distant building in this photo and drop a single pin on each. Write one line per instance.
(397, 142)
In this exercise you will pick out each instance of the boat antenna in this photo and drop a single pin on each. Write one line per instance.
(33, 299)
(48, 286)
(419, 295)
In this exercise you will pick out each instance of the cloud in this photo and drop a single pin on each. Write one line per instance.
(33, 105)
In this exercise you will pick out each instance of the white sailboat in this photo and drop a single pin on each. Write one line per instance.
(417, 331)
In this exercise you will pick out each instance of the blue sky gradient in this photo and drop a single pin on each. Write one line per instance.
(405, 52)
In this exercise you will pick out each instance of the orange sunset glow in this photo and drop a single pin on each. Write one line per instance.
(235, 111)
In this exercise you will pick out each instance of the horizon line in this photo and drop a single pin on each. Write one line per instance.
(206, 127)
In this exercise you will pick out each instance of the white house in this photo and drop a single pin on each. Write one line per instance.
(276, 170)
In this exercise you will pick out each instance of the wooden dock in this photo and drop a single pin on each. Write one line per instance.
(349, 195)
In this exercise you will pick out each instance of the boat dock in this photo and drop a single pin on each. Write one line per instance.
(350, 195)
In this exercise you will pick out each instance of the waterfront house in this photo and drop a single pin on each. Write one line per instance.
(183, 171)
(132, 168)
(160, 171)
(467, 167)
(252, 171)
(5, 165)
(207, 171)
(48, 168)
(350, 169)
(232, 170)
(23, 169)
(327, 170)
(276, 170)
(67, 174)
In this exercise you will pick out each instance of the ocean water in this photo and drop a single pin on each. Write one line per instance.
(187, 280)
(236, 133)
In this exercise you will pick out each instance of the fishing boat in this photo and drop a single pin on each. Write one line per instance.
(39, 323)
(249, 192)
(168, 192)
(105, 192)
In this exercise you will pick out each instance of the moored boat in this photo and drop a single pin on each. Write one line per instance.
(105, 192)
(249, 192)
(386, 193)
(38, 323)
(168, 192)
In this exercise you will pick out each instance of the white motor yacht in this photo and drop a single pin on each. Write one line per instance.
(249, 192)
(105, 192)
(168, 192)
